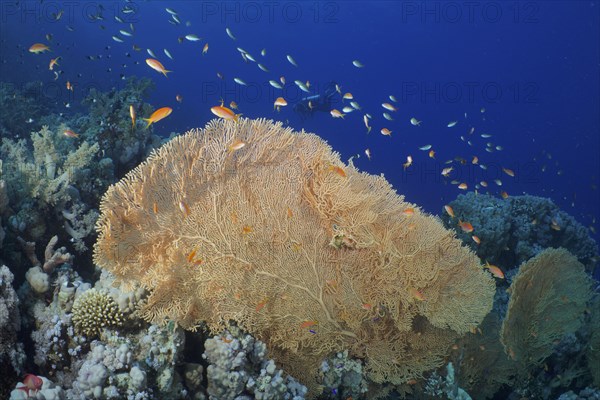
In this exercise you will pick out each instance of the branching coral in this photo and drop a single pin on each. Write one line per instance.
(93, 311)
(52, 257)
(309, 255)
(52, 182)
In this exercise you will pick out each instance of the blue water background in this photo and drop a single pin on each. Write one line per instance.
(533, 67)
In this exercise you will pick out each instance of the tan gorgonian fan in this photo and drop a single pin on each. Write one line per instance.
(255, 223)
(547, 300)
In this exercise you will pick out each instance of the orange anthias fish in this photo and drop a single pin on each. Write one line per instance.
(132, 114)
(157, 66)
(205, 49)
(53, 62)
(416, 294)
(308, 324)
(279, 102)
(185, 209)
(70, 133)
(446, 171)
(157, 115)
(497, 272)
(465, 226)
(238, 144)
(262, 304)
(408, 163)
(336, 113)
(38, 48)
(225, 113)
(508, 172)
(191, 258)
(449, 210)
(338, 170)
(409, 211)
(69, 86)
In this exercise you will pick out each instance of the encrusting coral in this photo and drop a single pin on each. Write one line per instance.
(255, 223)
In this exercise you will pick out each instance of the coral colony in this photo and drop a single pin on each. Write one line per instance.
(290, 278)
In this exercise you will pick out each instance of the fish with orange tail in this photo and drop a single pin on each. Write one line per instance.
(157, 115)
(225, 113)
(465, 226)
(496, 272)
(279, 102)
(70, 133)
(38, 48)
(132, 114)
(53, 62)
(157, 66)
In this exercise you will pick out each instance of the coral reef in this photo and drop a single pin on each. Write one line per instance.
(47, 391)
(306, 254)
(138, 361)
(343, 377)
(109, 124)
(3, 206)
(51, 185)
(25, 105)
(588, 393)
(239, 370)
(54, 182)
(12, 355)
(514, 229)
(445, 386)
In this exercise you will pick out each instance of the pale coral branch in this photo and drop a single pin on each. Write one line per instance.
(54, 258)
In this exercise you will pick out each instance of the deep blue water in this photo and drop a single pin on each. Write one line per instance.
(533, 66)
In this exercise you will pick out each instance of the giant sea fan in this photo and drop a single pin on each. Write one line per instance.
(309, 255)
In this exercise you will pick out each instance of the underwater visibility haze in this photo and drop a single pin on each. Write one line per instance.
(299, 199)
